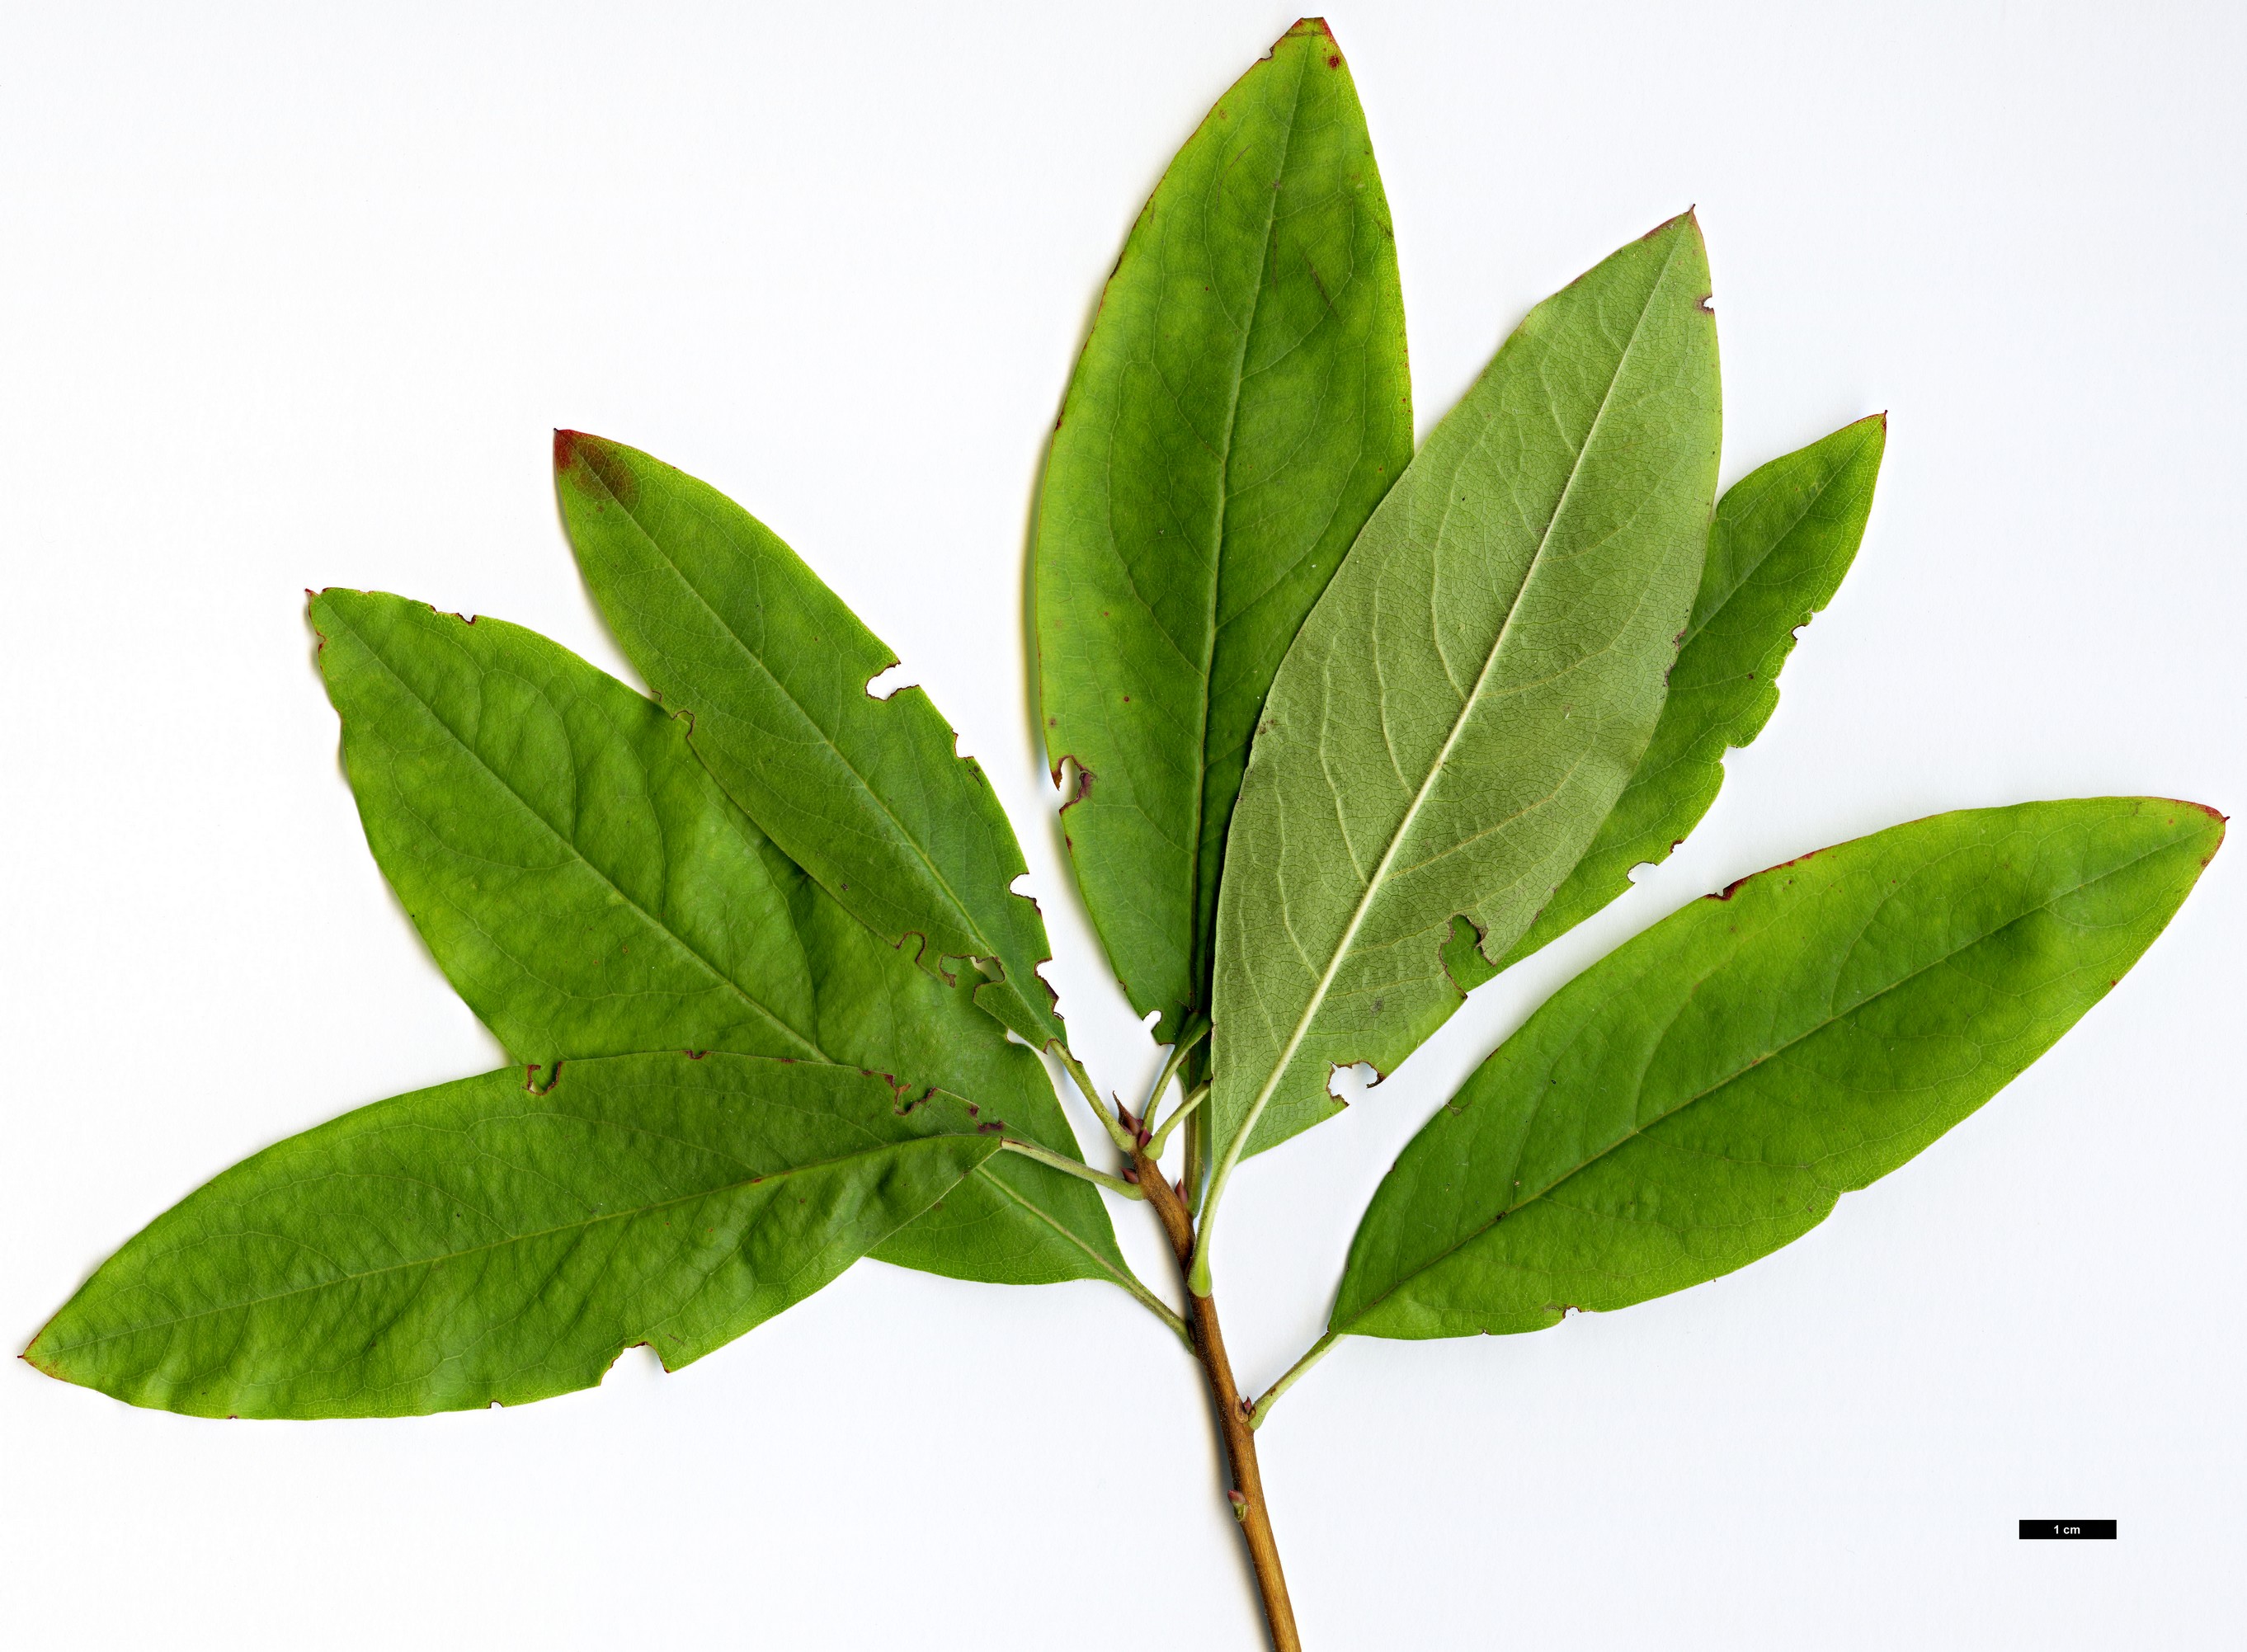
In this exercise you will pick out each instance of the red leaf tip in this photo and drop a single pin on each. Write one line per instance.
(576, 450)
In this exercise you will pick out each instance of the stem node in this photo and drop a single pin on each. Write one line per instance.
(1236, 1426)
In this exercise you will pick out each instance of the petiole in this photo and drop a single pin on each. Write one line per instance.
(1161, 1138)
(1317, 1352)
(1126, 1144)
(1068, 1166)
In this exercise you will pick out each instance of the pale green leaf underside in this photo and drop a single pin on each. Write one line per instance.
(1474, 689)
(1240, 406)
(482, 1243)
(589, 890)
(1784, 537)
(870, 796)
(1704, 1095)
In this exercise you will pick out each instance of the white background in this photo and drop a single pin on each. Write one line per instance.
(293, 296)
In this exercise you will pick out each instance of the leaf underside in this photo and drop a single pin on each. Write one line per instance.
(1704, 1095)
(1241, 405)
(484, 1243)
(870, 796)
(589, 890)
(1783, 538)
(1473, 690)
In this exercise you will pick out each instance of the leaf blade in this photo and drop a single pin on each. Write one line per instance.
(1746, 1037)
(869, 796)
(589, 890)
(482, 1243)
(1240, 407)
(1784, 537)
(1014, 1221)
(1547, 540)
(575, 875)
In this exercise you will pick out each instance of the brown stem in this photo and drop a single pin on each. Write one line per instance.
(1232, 1415)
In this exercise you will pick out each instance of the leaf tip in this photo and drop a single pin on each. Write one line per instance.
(1866, 435)
(1686, 224)
(1315, 31)
(41, 1355)
(577, 453)
(2221, 820)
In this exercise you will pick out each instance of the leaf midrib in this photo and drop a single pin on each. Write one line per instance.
(1054, 1223)
(1374, 884)
(1903, 980)
(663, 929)
(1222, 514)
(586, 1226)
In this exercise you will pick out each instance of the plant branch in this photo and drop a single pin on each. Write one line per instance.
(1246, 1492)
(1318, 1351)
(1072, 1167)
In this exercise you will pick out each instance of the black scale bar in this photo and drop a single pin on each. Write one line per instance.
(2067, 1528)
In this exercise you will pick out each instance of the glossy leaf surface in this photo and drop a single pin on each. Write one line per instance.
(870, 796)
(1784, 537)
(482, 1242)
(1704, 1094)
(1472, 693)
(1241, 405)
(589, 890)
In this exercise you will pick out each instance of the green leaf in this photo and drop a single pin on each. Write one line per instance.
(578, 876)
(1469, 698)
(483, 1242)
(1240, 407)
(1704, 1095)
(589, 890)
(870, 796)
(1783, 538)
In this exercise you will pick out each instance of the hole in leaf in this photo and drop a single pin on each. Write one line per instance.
(883, 684)
(1073, 780)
